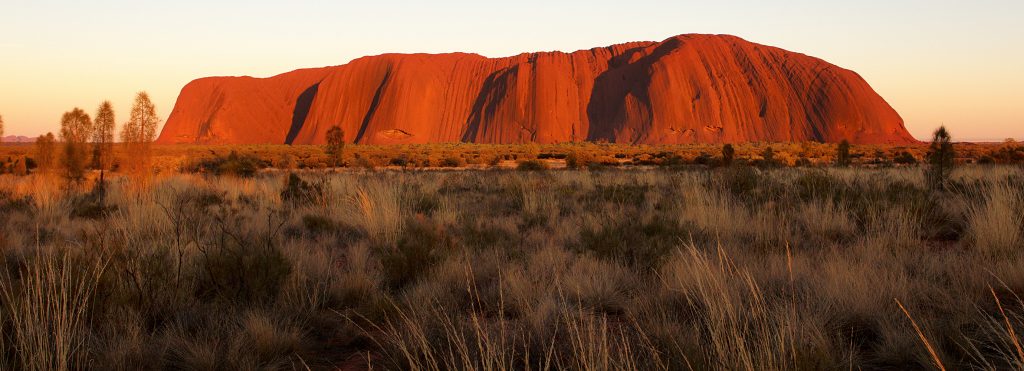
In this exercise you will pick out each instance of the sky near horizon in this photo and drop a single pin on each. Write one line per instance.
(936, 62)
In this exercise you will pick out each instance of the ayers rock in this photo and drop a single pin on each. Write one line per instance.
(687, 89)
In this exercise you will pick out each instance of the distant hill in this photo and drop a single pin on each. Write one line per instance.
(687, 89)
(18, 139)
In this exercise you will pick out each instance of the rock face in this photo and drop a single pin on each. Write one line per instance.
(687, 89)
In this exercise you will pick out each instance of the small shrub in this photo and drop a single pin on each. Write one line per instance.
(365, 163)
(335, 148)
(9, 204)
(19, 168)
(905, 158)
(318, 225)
(243, 273)
(728, 155)
(287, 162)
(741, 180)
(768, 158)
(419, 248)
(239, 165)
(578, 159)
(532, 165)
(298, 192)
(452, 161)
(494, 161)
(703, 159)
(940, 159)
(234, 164)
(818, 185)
(632, 241)
(424, 203)
(400, 161)
(92, 205)
(843, 154)
(626, 194)
(672, 160)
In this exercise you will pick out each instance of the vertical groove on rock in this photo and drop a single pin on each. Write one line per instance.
(373, 106)
(302, 106)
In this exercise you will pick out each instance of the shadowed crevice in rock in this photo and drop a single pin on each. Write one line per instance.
(606, 110)
(485, 107)
(301, 111)
(373, 106)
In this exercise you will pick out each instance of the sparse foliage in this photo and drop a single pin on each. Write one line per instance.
(768, 157)
(139, 133)
(20, 167)
(75, 131)
(843, 154)
(335, 145)
(46, 155)
(728, 155)
(103, 137)
(941, 156)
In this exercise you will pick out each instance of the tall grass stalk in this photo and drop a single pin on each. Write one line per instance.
(47, 308)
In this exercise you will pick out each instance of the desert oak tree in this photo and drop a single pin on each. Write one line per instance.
(103, 137)
(75, 130)
(46, 152)
(335, 144)
(139, 132)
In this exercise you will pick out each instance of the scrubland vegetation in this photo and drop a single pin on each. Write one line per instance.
(727, 267)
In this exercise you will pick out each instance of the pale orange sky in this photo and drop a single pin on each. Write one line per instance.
(935, 62)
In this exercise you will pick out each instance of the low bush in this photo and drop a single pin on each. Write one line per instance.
(419, 248)
(532, 165)
(452, 161)
(298, 192)
(234, 164)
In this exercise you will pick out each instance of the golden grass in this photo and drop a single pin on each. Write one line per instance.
(47, 312)
(924, 339)
(562, 269)
(995, 226)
